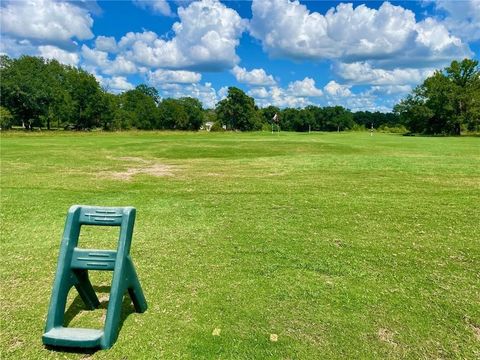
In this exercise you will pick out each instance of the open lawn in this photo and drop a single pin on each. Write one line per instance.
(343, 245)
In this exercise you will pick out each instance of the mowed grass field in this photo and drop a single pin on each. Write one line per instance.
(343, 245)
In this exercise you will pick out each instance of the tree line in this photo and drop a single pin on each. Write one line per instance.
(44, 93)
(36, 92)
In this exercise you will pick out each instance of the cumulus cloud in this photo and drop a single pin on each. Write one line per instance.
(363, 101)
(173, 77)
(205, 38)
(121, 65)
(462, 17)
(298, 93)
(289, 29)
(106, 43)
(222, 93)
(259, 93)
(205, 93)
(434, 36)
(115, 84)
(95, 57)
(160, 7)
(390, 90)
(280, 97)
(305, 87)
(372, 99)
(53, 52)
(16, 47)
(384, 46)
(100, 60)
(364, 73)
(335, 89)
(301, 93)
(256, 77)
(46, 20)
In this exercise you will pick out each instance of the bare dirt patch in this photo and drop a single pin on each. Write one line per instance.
(132, 159)
(474, 326)
(386, 336)
(143, 166)
(476, 331)
(153, 170)
(15, 343)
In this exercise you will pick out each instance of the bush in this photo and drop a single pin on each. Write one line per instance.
(399, 129)
(266, 127)
(357, 127)
(6, 119)
(217, 126)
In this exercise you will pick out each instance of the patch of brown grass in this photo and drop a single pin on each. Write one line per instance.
(143, 166)
(386, 336)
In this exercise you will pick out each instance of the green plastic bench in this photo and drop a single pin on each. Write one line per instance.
(72, 270)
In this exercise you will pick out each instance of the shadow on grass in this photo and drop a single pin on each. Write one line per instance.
(77, 306)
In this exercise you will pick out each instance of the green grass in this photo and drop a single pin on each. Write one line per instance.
(344, 245)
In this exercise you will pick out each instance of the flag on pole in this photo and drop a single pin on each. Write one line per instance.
(275, 117)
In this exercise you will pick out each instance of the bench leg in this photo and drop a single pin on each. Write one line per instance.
(85, 289)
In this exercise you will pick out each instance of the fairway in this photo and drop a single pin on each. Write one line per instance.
(342, 245)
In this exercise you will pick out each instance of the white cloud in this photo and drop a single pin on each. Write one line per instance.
(434, 36)
(305, 87)
(120, 83)
(257, 77)
(334, 94)
(205, 93)
(299, 93)
(389, 35)
(390, 90)
(364, 101)
(121, 65)
(281, 98)
(16, 47)
(46, 20)
(259, 93)
(335, 89)
(205, 38)
(278, 96)
(160, 7)
(53, 52)
(99, 59)
(360, 102)
(95, 57)
(364, 73)
(222, 93)
(173, 76)
(114, 84)
(463, 17)
(106, 43)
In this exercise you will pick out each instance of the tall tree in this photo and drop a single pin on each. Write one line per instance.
(173, 115)
(238, 111)
(144, 111)
(24, 89)
(268, 113)
(86, 95)
(465, 76)
(194, 110)
(149, 91)
(446, 102)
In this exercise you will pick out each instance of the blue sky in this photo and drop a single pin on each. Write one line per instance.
(364, 55)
